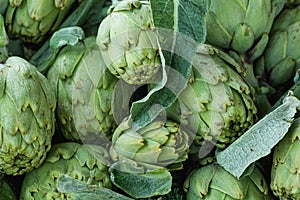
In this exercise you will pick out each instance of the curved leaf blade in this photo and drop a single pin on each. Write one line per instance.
(258, 141)
(181, 29)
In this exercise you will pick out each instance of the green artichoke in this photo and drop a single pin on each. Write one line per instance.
(158, 144)
(6, 190)
(27, 111)
(127, 38)
(217, 104)
(31, 20)
(84, 89)
(281, 58)
(285, 182)
(234, 25)
(214, 182)
(87, 163)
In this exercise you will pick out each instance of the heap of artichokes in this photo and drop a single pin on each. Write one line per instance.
(127, 38)
(281, 57)
(27, 111)
(217, 104)
(213, 182)
(84, 89)
(87, 163)
(285, 182)
(158, 144)
(31, 20)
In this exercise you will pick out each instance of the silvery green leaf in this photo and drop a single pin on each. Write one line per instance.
(258, 141)
(66, 36)
(78, 190)
(139, 184)
(181, 28)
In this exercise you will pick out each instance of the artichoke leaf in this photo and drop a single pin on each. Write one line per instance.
(79, 190)
(258, 141)
(127, 176)
(173, 22)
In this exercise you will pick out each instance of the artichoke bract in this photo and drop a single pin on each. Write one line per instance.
(214, 182)
(235, 25)
(158, 144)
(31, 21)
(27, 116)
(87, 163)
(280, 59)
(285, 182)
(127, 38)
(217, 104)
(84, 89)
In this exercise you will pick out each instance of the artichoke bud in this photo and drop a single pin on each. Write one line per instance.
(84, 89)
(127, 39)
(205, 183)
(87, 163)
(31, 21)
(158, 144)
(25, 96)
(284, 174)
(217, 106)
(280, 57)
(235, 25)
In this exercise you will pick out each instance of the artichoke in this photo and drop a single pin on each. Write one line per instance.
(279, 62)
(214, 182)
(127, 38)
(84, 89)
(32, 21)
(217, 104)
(158, 144)
(235, 25)
(87, 163)
(27, 111)
(285, 182)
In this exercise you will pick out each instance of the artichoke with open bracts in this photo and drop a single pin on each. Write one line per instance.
(217, 104)
(214, 182)
(87, 163)
(280, 59)
(84, 89)
(27, 111)
(158, 144)
(33, 20)
(235, 25)
(127, 38)
(285, 182)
